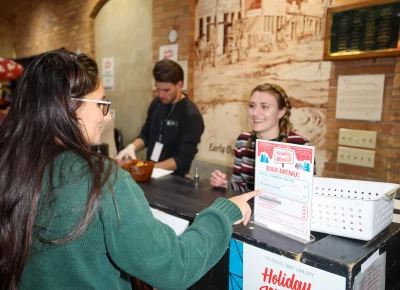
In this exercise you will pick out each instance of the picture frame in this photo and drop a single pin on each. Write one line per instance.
(365, 29)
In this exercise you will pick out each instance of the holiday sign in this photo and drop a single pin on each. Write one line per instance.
(284, 173)
(263, 270)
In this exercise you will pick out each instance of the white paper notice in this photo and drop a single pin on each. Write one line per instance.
(108, 83)
(107, 69)
(107, 66)
(168, 52)
(284, 173)
(264, 270)
(360, 97)
(372, 275)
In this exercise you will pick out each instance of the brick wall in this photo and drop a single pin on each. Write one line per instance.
(387, 158)
(43, 25)
(170, 13)
(180, 15)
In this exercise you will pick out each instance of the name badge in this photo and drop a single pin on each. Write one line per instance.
(155, 155)
(171, 123)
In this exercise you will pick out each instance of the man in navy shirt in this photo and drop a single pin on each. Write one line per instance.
(174, 125)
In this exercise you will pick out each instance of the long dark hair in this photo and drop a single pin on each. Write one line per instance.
(41, 124)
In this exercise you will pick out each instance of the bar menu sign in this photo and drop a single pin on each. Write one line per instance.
(284, 173)
(363, 29)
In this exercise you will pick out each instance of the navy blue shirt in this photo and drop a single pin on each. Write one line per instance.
(180, 127)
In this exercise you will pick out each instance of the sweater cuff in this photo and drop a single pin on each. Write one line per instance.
(229, 208)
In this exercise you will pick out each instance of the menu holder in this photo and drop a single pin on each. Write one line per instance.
(366, 29)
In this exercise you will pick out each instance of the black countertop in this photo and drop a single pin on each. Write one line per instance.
(184, 198)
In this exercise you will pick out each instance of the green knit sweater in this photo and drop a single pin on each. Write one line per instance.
(118, 243)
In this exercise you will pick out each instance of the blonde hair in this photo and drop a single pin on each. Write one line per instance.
(285, 126)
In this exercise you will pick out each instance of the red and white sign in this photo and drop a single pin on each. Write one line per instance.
(284, 173)
(168, 52)
(263, 270)
(108, 73)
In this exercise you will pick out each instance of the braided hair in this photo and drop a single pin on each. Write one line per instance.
(285, 126)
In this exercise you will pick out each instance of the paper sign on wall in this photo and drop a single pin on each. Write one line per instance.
(360, 97)
(284, 173)
(107, 65)
(168, 52)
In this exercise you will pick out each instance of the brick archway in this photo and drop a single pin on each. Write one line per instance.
(96, 9)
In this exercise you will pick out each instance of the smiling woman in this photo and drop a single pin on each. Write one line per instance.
(269, 114)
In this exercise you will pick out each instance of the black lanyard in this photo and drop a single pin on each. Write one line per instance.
(163, 123)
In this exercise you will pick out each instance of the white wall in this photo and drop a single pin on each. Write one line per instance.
(123, 30)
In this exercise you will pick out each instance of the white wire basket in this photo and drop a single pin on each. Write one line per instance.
(352, 208)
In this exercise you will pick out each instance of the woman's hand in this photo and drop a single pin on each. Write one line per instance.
(241, 202)
(218, 179)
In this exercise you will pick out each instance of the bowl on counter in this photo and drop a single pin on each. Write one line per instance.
(140, 170)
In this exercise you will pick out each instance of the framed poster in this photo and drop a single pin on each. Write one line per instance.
(364, 29)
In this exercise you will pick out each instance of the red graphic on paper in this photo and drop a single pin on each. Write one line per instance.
(268, 148)
(283, 155)
(283, 279)
(302, 154)
(168, 54)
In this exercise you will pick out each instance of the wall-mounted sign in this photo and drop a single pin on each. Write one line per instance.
(360, 97)
(107, 70)
(363, 29)
(168, 52)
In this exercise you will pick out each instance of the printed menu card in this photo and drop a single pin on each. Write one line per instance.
(284, 174)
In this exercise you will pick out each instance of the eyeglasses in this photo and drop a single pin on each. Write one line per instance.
(105, 105)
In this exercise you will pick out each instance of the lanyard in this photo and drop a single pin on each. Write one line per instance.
(164, 121)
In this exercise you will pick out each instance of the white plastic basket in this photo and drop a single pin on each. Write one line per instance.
(352, 208)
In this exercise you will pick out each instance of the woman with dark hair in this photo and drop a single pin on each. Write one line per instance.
(269, 114)
(71, 218)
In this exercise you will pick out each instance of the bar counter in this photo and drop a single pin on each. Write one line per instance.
(347, 261)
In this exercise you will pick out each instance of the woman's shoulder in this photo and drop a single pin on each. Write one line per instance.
(244, 136)
(296, 139)
(242, 139)
(76, 165)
